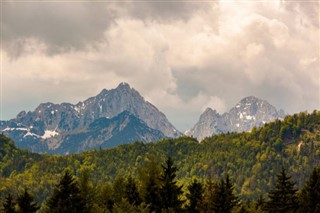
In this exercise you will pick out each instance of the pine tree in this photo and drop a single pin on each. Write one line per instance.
(125, 207)
(87, 189)
(119, 189)
(8, 205)
(194, 196)
(260, 203)
(231, 199)
(149, 176)
(152, 197)
(209, 194)
(224, 199)
(66, 197)
(169, 191)
(310, 193)
(282, 198)
(132, 193)
(26, 203)
(105, 196)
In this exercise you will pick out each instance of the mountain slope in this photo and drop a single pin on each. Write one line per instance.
(248, 113)
(46, 127)
(109, 103)
(106, 133)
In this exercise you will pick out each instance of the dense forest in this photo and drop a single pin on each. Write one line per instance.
(271, 169)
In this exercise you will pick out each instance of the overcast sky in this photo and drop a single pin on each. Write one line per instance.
(182, 56)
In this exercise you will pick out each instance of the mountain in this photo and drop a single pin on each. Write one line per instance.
(50, 125)
(248, 113)
(106, 133)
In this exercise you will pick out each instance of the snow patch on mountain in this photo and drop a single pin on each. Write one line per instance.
(52, 123)
(49, 134)
(31, 135)
(15, 129)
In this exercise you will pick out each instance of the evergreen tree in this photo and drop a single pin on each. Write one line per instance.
(26, 203)
(119, 189)
(224, 199)
(8, 205)
(152, 197)
(194, 196)
(282, 198)
(105, 196)
(132, 193)
(87, 190)
(169, 191)
(125, 207)
(66, 197)
(260, 203)
(231, 199)
(310, 193)
(209, 194)
(149, 175)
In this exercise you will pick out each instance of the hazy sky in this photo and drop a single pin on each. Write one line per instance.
(182, 56)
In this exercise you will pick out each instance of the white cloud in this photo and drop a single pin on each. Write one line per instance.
(181, 62)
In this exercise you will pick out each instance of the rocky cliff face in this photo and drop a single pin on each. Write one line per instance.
(248, 113)
(46, 127)
(106, 133)
(110, 103)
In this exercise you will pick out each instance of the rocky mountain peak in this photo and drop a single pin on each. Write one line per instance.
(49, 123)
(103, 92)
(249, 99)
(124, 86)
(249, 112)
(209, 120)
(209, 111)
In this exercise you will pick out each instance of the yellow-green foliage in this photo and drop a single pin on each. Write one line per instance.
(251, 159)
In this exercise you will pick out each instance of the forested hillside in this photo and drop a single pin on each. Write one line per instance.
(251, 160)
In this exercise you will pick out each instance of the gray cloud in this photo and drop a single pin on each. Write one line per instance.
(61, 26)
(181, 56)
(72, 26)
(167, 10)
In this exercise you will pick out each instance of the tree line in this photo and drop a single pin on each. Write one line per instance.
(158, 191)
(250, 160)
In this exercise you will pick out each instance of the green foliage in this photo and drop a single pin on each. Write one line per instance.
(310, 193)
(9, 204)
(251, 159)
(170, 192)
(132, 194)
(104, 197)
(124, 206)
(87, 190)
(66, 197)
(224, 199)
(119, 189)
(194, 196)
(26, 203)
(152, 193)
(283, 198)
(209, 195)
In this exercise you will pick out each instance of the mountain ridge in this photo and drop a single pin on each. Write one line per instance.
(44, 127)
(249, 112)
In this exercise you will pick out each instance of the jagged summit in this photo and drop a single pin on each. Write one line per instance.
(208, 110)
(49, 122)
(249, 99)
(249, 112)
(124, 85)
